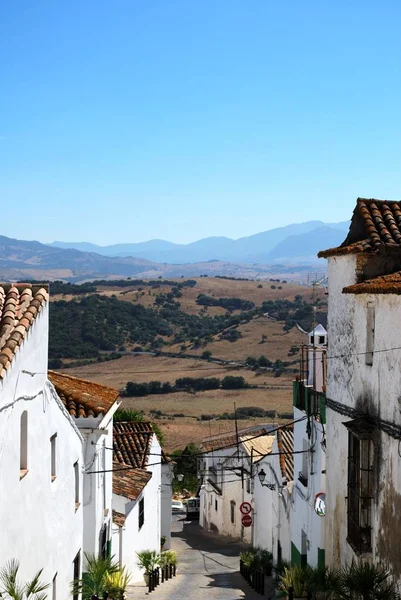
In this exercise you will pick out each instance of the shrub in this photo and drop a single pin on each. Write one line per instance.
(231, 382)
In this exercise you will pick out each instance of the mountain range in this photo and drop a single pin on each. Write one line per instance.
(298, 242)
(289, 251)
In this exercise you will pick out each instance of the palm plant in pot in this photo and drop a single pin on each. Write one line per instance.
(366, 581)
(148, 560)
(300, 579)
(12, 589)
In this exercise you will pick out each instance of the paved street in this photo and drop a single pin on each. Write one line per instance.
(207, 567)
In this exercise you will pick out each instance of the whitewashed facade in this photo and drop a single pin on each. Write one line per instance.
(41, 459)
(363, 391)
(227, 470)
(273, 498)
(137, 494)
(91, 407)
(307, 524)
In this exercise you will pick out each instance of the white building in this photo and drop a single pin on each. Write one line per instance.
(41, 461)
(363, 389)
(91, 406)
(138, 513)
(307, 521)
(273, 485)
(227, 472)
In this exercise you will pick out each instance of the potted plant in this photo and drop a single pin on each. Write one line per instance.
(299, 578)
(171, 556)
(116, 583)
(12, 589)
(366, 581)
(148, 560)
(94, 576)
(263, 561)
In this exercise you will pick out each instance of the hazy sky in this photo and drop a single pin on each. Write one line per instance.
(139, 119)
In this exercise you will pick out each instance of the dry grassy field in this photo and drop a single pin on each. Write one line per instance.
(272, 393)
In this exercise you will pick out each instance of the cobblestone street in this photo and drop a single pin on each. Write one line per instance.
(207, 568)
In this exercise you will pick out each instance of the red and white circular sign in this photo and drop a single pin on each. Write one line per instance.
(246, 508)
(246, 520)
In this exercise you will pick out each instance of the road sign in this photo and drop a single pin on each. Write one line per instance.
(246, 520)
(246, 508)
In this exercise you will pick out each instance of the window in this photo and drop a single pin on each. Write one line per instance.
(303, 475)
(76, 574)
(141, 515)
(321, 339)
(23, 444)
(312, 339)
(103, 542)
(232, 506)
(215, 504)
(370, 332)
(360, 486)
(76, 477)
(54, 587)
(53, 456)
(104, 475)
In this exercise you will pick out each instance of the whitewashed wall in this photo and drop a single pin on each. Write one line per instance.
(97, 494)
(129, 540)
(209, 518)
(373, 389)
(272, 512)
(166, 500)
(38, 519)
(237, 491)
(304, 517)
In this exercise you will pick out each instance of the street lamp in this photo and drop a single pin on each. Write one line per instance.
(262, 477)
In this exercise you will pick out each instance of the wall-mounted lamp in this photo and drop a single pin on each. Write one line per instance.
(262, 477)
(180, 477)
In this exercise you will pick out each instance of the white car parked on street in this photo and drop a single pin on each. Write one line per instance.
(177, 506)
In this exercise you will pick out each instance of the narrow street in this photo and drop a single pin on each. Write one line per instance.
(207, 567)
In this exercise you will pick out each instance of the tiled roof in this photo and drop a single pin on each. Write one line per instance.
(118, 518)
(20, 303)
(130, 482)
(83, 398)
(383, 284)
(285, 442)
(375, 226)
(261, 445)
(227, 439)
(132, 442)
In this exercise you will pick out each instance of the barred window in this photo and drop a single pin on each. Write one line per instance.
(141, 515)
(360, 486)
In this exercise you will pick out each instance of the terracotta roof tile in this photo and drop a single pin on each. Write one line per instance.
(375, 226)
(285, 442)
(118, 518)
(383, 284)
(83, 398)
(130, 482)
(230, 439)
(19, 305)
(132, 442)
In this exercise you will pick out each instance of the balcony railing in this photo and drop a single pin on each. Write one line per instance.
(309, 401)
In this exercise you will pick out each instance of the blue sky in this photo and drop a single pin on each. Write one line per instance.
(131, 120)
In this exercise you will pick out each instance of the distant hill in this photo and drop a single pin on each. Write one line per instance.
(24, 260)
(258, 248)
(305, 246)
